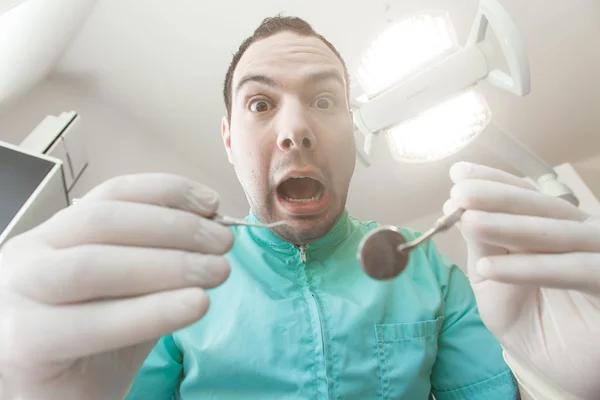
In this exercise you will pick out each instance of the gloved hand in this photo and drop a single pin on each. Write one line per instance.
(85, 295)
(534, 265)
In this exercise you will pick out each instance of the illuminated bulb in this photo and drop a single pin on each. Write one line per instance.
(405, 48)
(441, 130)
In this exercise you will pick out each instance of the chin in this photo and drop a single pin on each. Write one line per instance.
(303, 229)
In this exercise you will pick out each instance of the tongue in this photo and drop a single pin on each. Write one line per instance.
(299, 188)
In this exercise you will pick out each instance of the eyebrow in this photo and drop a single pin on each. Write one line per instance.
(265, 80)
(325, 75)
(310, 80)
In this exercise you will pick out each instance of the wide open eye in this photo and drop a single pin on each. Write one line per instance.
(260, 105)
(324, 103)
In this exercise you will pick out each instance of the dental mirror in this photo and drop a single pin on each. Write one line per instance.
(384, 252)
(378, 253)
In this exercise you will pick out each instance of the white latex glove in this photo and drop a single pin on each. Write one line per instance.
(85, 295)
(534, 264)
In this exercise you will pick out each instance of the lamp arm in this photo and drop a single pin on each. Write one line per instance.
(491, 14)
(514, 152)
(526, 162)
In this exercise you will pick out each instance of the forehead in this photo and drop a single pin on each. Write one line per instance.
(287, 57)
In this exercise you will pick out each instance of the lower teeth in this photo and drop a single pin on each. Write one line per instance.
(314, 198)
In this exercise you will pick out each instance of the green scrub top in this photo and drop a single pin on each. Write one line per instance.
(307, 323)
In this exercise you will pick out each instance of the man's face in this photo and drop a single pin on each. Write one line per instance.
(290, 137)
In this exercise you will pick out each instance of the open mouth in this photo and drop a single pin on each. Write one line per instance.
(301, 195)
(301, 190)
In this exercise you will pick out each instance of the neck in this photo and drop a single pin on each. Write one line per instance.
(286, 236)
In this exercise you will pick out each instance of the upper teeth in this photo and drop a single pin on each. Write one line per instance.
(299, 177)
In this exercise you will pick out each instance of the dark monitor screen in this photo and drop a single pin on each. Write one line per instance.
(20, 175)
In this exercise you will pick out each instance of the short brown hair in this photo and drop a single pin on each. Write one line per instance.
(269, 27)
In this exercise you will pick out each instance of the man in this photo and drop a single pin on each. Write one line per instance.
(86, 295)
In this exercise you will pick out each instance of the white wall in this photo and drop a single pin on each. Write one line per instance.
(116, 143)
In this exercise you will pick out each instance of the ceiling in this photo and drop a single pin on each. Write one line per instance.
(33, 34)
(163, 63)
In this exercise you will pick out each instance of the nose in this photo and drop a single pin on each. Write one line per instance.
(294, 131)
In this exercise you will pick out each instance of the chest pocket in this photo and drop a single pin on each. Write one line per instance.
(406, 354)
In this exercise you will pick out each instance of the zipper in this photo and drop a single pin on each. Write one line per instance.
(320, 321)
(314, 305)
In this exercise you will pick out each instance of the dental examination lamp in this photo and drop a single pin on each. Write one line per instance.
(420, 91)
(425, 100)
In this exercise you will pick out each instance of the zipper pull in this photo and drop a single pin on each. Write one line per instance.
(302, 250)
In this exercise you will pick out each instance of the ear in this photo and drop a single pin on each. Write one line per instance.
(226, 133)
